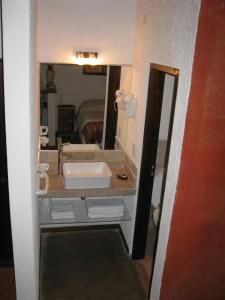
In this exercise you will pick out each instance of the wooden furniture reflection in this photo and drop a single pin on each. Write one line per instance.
(66, 122)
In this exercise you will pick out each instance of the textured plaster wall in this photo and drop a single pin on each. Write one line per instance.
(165, 34)
(195, 261)
(102, 25)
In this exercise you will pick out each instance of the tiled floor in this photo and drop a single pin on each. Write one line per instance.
(7, 284)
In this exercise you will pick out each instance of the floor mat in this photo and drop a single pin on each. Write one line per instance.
(87, 265)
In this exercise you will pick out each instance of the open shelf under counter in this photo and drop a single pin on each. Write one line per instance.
(80, 212)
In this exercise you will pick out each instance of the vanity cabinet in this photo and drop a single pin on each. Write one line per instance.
(80, 211)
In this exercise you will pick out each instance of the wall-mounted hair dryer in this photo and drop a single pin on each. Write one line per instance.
(119, 103)
(125, 101)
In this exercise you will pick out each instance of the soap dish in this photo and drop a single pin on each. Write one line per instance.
(122, 176)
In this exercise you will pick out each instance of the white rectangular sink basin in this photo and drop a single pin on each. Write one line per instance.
(86, 175)
(80, 147)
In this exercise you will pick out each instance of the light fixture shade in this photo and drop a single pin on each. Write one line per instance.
(86, 58)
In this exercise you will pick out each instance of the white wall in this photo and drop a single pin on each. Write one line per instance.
(125, 85)
(165, 34)
(102, 25)
(21, 128)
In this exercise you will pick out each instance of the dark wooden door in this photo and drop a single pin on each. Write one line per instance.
(149, 152)
(112, 114)
(6, 254)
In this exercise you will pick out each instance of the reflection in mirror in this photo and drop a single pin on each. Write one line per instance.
(122, 120)
(77, 104)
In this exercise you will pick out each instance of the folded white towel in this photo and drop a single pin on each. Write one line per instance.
(112, 205)
(106, 213)
(102, 208)
(57, 216)
(105, 210)
(97, 216)
(62, 211)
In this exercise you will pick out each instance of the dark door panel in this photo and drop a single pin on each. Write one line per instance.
(114, 84)
(151, 132)
(6, 255)
(149, 152)
(148, 161)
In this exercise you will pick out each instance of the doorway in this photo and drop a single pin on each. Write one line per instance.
(7, 280)
(6, 253)
(162, 91)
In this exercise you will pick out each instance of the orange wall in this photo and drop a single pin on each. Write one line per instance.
(195, 261)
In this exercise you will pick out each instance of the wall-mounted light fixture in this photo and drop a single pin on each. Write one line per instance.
(86, 58)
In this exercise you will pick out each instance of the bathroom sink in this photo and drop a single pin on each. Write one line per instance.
(86, 175)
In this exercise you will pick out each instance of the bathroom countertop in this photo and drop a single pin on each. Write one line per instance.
(118, 187)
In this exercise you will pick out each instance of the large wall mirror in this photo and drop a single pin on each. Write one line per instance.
(77, 103)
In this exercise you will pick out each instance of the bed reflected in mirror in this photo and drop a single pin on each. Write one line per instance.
(77, 103)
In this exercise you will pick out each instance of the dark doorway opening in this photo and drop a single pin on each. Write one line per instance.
(6, 253)
(163, 83)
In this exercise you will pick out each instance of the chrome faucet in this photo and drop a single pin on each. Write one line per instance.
(60, 145)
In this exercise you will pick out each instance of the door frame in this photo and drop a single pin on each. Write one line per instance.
(148, 159)
(111, 115)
